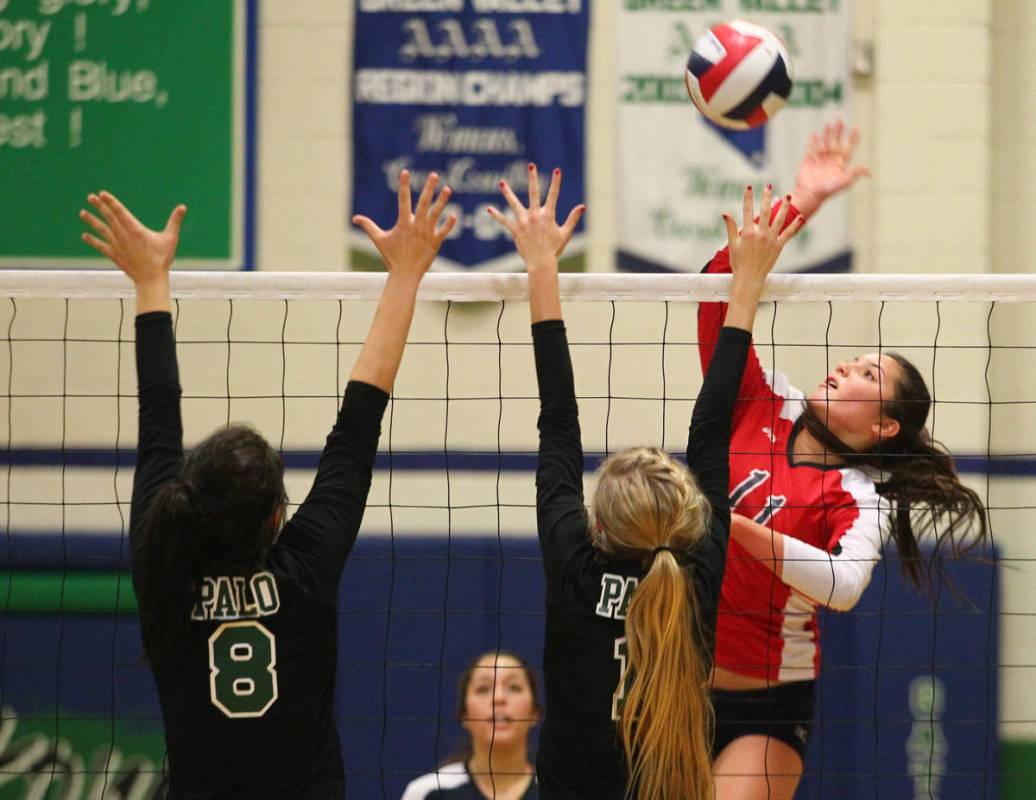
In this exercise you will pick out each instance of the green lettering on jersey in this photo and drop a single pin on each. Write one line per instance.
(627, 596)
(224, 607)
(264, 590)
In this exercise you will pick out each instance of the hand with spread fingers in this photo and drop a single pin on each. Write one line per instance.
(410, 246)
(138, 251)
(536, 233)
(826, 169)
(755, 248)
(753, 252)
(143, 254)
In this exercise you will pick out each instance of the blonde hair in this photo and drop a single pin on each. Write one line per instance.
(645, 500)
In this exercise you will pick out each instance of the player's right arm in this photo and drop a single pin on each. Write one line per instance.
(561, 516)
(713, 316)
(146, 257)
(753, 252)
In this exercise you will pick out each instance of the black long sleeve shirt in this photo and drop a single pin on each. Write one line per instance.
(580, 755)
(248, 708)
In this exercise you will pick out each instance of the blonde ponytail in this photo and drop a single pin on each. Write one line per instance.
(666, 722)
(645, 501)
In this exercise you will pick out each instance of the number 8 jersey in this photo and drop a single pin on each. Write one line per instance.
(248, 706)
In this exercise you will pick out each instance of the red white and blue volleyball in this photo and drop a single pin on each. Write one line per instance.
(739, 75)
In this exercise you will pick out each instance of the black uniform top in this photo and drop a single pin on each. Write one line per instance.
(248, 709)
(579, 754)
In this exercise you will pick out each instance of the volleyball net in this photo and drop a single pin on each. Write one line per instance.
(917, 694)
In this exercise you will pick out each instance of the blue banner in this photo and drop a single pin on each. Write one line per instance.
(473, 90)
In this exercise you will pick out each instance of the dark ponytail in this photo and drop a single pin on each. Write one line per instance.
(918, 476)
(216, 518)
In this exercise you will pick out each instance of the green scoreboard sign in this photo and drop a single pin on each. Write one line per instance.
(149, 99)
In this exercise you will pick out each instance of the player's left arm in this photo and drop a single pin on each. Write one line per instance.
(323, 530)
(835, 578)
(540, 241)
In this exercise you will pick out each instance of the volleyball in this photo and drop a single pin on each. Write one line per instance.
(739, 75)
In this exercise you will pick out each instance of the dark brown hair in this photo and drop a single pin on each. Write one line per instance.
(919, 477)
(218, 517)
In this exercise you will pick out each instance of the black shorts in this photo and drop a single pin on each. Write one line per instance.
(783, 712)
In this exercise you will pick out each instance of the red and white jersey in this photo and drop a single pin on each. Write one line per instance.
(767, 627)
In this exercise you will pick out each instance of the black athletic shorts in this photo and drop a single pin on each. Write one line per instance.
(783, 712)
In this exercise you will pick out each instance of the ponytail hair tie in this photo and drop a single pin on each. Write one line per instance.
(658, 550)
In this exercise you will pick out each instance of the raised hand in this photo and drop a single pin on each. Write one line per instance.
(753, 252)
(410, 246)
(536, 233)
(826, 169)
(754, 249)
(143, 254)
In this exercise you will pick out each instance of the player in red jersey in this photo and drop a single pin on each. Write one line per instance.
(816, 483)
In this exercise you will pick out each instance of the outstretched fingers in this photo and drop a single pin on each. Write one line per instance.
(100, 246)
(791, 230)
(534, 188)
(175, 221)
(102, 230)
(403, 195)
(748, 208)
(444, 230)
(569, 228)
(512, 200)
(102, 208)
(733, 237)
(368, 226)
(117, 214)
(854, 140)
(764, 208)
(833, 136)
(505, 222)
(440, 204)
(552, 193)
(424, 200)
(782, 213)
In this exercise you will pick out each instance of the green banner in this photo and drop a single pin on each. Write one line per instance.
(65, 758)
(67, 592)
(144, 98)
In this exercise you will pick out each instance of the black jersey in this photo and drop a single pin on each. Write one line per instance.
(453, 782)
(584, 654)
(248, 708)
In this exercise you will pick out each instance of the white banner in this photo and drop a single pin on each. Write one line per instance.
(678, 173)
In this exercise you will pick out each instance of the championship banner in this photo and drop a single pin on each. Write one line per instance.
(473, 90)
(679, 172)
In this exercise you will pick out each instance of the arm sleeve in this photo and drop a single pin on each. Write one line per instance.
(160, 430)
(710, 320)
(560, 513)
(708, 456)
(317, 540)
(837, 578)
